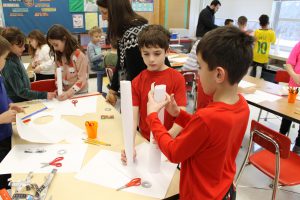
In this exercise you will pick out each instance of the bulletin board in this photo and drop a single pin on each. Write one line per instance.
(77, 16)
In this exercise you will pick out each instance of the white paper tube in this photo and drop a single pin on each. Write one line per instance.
(59, 81)
(154, 151)
(127, 119)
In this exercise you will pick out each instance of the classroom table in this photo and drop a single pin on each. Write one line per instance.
(280, 107)
(280, 55)
(65, 185)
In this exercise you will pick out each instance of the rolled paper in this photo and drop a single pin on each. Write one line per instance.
(154, 158)
(59, 81)
(127, 119)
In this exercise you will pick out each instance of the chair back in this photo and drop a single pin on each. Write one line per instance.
(282, 76)
(47, 85)
(262, 136)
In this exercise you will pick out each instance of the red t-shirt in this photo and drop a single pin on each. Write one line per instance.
(207, 147)
(141, 85)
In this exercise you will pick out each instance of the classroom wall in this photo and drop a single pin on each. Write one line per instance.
(252, 9)
(175, 15)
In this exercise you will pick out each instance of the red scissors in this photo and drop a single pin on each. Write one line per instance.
(133, 182)
(75, 101)
(53, 163)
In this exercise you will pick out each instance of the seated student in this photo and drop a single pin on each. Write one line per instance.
(211, 138)
(8, 113)
(43, 65)
(264, 37)
(228, 22)
(16, 81)
(68, 56)
(153, 42)
(95, 56)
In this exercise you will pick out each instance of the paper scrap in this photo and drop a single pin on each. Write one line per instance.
(246, 84)
(259, 96)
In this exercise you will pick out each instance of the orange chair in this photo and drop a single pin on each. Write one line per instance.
(282, 76)
(47, 85)
(276, 160)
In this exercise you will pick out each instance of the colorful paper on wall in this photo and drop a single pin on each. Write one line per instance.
(91, 20)
(90, 6)
(76, 5)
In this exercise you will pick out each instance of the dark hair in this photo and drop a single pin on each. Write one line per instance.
(4, 46)
(58, 32)
(120, 17)
(154, 36)
(229, 48)
(215, 3)
(228, 21)
(242, 20)
(39, 37)
(14, 36)
(264, 20)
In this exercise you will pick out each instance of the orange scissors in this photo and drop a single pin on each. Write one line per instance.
(74, 102)
(54, 162)
(133, 182)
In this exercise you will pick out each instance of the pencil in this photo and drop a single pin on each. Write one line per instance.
(95, 142)
(34, 113)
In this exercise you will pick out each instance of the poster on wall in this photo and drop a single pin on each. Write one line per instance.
(142, 5)
(77, 21)
(83, 6)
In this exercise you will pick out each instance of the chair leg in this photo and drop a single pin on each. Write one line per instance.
(259, 115)
(266, 117)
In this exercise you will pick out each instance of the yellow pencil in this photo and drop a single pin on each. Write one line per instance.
(96, 142)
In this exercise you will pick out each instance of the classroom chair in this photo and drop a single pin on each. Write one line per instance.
(191, 77)
(275, 161)
(47, 85)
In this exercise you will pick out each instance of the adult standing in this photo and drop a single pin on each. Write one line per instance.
(124, 26)
(206, 20)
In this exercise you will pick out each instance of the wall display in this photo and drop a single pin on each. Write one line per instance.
(142, 5)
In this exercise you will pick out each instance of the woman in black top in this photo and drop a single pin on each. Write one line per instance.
(124, 26)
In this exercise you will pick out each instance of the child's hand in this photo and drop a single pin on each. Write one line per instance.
(111, 97)
(8, 117)
(172, 107)
(37, 69)
(123, 156)
(153, 106)
(51, 95)
(15, 107)
(296, 78)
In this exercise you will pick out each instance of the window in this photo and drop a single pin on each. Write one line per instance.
(286, 22)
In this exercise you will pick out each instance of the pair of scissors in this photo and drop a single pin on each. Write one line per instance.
(54, 162)
(133, 182)
(74, 102)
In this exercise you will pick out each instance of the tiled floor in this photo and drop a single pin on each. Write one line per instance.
(252, 179)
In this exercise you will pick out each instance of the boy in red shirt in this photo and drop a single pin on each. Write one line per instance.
(153, 42)
(211, 138)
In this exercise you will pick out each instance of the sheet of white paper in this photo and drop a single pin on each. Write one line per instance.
(246, 84)
(260, 96)
(53, 132)
(17, 161)
(107, 170)
(83, 106)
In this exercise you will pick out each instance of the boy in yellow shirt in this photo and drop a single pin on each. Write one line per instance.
(263, 39)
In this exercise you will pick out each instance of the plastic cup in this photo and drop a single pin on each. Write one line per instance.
(91, 129)
(292, 97)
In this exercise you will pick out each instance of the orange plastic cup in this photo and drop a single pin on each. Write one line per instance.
(292, 97)
(91, 129)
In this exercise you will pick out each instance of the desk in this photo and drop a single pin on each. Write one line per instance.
(177, 60)
(65, 186)
(280, 107)
(281, 55)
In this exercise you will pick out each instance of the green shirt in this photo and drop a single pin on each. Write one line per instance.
(16, 81)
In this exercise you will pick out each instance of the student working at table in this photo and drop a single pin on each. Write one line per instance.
(153, 43)
(211, 138)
